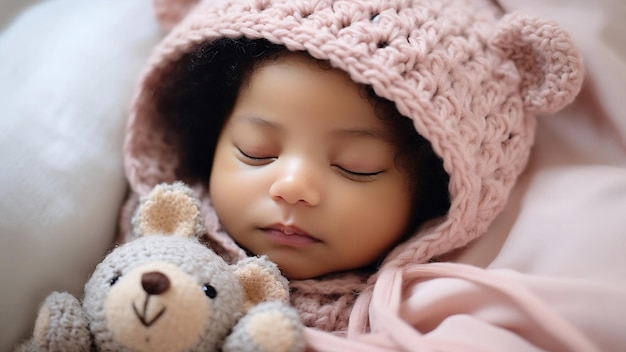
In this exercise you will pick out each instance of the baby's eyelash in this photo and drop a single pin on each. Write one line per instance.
(357, 176)
(347, 173)
(256, 158)
(362, 173)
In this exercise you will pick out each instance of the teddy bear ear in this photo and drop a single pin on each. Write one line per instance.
(169, 209)
(170, 12)
(262, 281)
(549, 63)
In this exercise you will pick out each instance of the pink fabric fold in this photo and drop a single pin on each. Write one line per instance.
(502, 313)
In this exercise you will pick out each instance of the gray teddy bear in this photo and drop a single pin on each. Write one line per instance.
(166, 291)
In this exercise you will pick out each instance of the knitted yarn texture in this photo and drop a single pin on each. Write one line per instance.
(470, 77)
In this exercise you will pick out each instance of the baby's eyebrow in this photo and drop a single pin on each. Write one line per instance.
(364, 132)
(367, 132)
(259, 121)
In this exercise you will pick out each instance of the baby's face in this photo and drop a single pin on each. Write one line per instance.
(304, 171)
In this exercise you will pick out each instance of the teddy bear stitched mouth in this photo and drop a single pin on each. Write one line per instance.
(143, 316)
(153, 283)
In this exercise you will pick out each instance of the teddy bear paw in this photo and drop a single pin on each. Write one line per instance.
(268, 326)
(61, 325)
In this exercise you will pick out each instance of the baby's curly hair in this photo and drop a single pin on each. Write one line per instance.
(201, 92)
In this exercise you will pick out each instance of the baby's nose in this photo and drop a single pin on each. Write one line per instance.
(296, 183)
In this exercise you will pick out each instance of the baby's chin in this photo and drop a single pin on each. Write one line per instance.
(294, 272)
(299, 270)
(297, 266)
(297, 273)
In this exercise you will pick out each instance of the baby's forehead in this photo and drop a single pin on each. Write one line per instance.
(354, 108)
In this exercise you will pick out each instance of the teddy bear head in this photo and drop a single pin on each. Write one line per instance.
(165, 290)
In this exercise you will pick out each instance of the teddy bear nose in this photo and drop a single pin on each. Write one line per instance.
(154, 283)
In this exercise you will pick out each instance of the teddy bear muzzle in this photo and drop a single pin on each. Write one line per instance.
(157, 307)
(153, 283)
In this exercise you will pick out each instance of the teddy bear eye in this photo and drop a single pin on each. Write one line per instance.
(209, 291)
(114, 279)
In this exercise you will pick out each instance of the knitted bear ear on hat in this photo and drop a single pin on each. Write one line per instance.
(169, 209)
(550, 66)
(170, 12)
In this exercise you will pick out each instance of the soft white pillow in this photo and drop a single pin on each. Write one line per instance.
(10, 8)
(67, 72)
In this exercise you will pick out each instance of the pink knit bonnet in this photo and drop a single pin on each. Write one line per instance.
(471, 78)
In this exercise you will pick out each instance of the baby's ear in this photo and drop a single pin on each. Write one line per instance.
(170, 12)
(262, 281)
(549, 63)
(169, 210)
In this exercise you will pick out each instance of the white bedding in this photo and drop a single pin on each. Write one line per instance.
(67, 70)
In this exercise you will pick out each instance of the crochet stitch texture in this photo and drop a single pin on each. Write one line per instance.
(471, 78)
